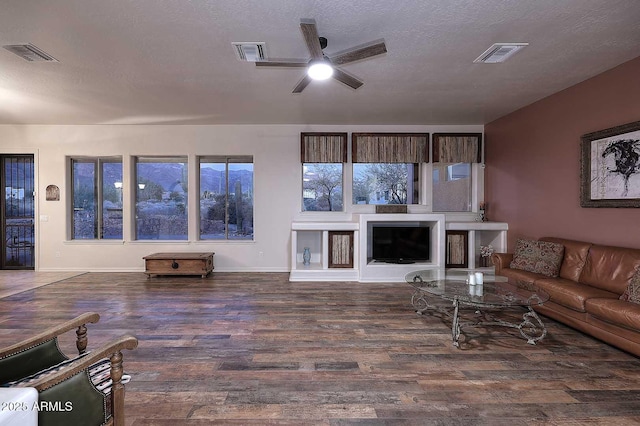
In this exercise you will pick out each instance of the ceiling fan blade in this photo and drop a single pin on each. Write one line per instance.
(347, 79)
(282, 64)
(302, 84)
(359, 52)
(310, 33)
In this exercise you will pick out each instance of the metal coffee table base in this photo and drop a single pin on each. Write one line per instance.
(531, 328)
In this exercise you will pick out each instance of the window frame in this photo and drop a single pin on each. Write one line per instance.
(98, 184)
(342, 190)
(136, 180)
(416, 184)
(392, 148)
(472, 186)
(226, 159)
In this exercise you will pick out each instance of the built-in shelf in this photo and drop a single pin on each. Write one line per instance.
(316, 236)
(481, 234)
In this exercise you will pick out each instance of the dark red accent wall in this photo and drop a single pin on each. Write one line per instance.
(533, 162)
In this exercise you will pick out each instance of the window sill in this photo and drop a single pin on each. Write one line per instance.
(209, 242)
(91, 242)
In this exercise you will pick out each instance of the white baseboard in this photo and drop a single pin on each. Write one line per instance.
(137, 269)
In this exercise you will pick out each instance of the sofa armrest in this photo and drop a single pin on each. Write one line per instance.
(501, 261)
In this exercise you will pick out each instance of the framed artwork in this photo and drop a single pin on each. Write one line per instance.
(610, 167)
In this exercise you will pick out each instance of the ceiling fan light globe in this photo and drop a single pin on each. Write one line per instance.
(320, 71)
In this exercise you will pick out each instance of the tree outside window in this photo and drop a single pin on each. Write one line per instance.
(322, 187)
(385, 183)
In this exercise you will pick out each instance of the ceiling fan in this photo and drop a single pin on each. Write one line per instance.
(321, 67)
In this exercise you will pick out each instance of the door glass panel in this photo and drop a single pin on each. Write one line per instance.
(18, 212)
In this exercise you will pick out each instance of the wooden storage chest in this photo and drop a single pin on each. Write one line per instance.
(186, 263)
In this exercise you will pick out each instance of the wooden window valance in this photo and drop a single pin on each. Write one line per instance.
(457, 147)
(390, 148)
(323, 147)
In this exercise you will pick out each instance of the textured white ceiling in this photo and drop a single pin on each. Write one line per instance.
(171, 61)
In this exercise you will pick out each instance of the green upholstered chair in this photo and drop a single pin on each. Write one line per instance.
(86, 389)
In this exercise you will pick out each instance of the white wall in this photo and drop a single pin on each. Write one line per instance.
(276, 155)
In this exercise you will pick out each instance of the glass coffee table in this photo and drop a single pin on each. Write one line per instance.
(496, 293)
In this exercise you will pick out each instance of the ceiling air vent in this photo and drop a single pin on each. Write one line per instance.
(30, 53)
(250, 52)
(500, 52)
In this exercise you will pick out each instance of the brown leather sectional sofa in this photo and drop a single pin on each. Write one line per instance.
(586, 294)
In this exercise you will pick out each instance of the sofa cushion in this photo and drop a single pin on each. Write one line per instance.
(632, 293)
(615, 311)
(571, 294)
(542, 257)
(575, 256)
(610, 268)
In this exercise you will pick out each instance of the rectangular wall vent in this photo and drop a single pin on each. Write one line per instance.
(30, 53)
(500, 52)
(250, 52)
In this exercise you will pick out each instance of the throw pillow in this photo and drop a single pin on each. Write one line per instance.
(632, 293)
(542, 257)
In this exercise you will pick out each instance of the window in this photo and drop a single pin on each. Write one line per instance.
(226, 198)
(161, 189)
(452, 188)
(386, 167)
(97, 198)
(322, 187)
(453, 156)
(322, 156)
(385, 183)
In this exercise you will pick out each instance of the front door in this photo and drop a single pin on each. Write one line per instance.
(17, 210)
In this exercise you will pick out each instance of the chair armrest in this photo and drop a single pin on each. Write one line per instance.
(109, 350)
(68, 383)
(78, 322)
(501, 261)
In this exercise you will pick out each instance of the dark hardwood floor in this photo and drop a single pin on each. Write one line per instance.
(255, 349)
